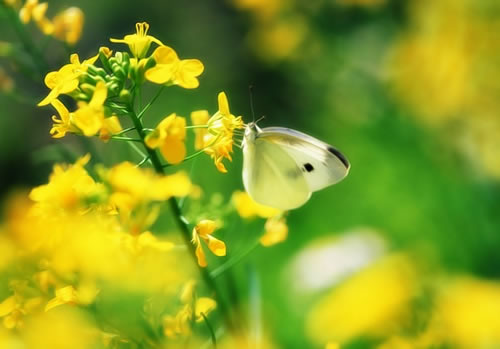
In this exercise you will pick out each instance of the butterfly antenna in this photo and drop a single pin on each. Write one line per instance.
(250, 88)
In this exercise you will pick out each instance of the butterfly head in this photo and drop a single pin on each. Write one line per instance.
(251, 131)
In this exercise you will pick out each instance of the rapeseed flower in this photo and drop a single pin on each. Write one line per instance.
(170, 69)
(169, 136)
(66, 79)
(203, 231)
(218, 138)
(140, 42)
(68, 25)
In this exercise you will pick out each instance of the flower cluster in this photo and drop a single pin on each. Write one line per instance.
(66, 25)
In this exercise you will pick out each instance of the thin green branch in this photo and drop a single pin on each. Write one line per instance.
(210, 329)
(141, 113)
(127, 139)
(233, 261)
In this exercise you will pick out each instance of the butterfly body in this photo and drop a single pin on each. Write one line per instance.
(282, 167)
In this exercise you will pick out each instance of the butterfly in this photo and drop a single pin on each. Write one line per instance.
(283, 167)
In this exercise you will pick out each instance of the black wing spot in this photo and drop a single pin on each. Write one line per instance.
(339, 155)
(308, 167)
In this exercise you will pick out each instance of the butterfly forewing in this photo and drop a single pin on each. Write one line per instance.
(320, 164)
(271, 176)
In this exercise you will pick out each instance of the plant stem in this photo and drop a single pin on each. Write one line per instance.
(181, 221)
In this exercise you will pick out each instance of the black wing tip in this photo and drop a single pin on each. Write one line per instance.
(340, 156)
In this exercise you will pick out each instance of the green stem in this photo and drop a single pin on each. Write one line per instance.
(210, 329)
(141, 113)
(180, 220)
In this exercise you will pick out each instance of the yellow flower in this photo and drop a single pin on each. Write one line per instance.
(180, 325)
(203, 231)
(33, 10)
(64, 295)
(139, 42)
(65, 80)
(467, 313)
(248, 208)
(67, 187)
(68, 25)
(169, 69)
(69, 295)
(169, 136)
(90, 118)
(218, 140)
(371, 302)
(64, 124)
(14, 308)
(144, 184)
(276, 232)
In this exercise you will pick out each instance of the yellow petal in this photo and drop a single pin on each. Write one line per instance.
(160, 74)
(7, 306)
(187, 72)
(205, 227)
(223, 104)
(165, 55)
(61, 110)
(173, 150)
(276, 232)
(200, 255)
(187, 292)
(204, 305)
(217, 246)
(99, 96)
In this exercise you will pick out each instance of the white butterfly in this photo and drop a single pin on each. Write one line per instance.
(282, 167)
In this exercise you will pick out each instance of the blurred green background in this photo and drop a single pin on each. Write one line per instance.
(409, 91)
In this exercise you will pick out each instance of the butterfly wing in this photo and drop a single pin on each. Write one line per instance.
(271, 176)
(320, 164)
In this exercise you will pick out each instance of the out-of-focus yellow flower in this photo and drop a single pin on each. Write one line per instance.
(64, 295)
(169, 136)
(218, 140)
(169, 69)
(332, 345)
(65, 80)
(144, 184)
(203, 231)
(68, 25)
(33, 10)
(90, 118)
(203, 305)
(14, 308)
(146, 241)
(279, 39)
(180, 325)
(369, 303)
(68, 186)
(263, 9)
(467, 313)
(139, 42)
(69, 295)
(200, 118)
(276, 232)
(67, 328)
(248, 208)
